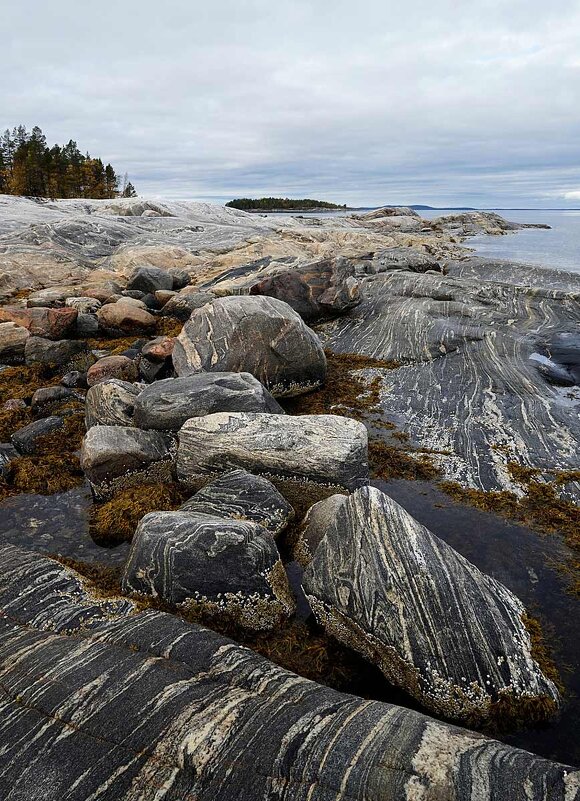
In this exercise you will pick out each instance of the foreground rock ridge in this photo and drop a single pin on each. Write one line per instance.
(116, 704)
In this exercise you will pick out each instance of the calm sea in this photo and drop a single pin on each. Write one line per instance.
(559, 247)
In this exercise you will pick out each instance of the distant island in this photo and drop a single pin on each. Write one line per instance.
(281, 204)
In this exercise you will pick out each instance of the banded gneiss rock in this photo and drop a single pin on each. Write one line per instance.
(319, 448)
(132, 707)
(227, 566)
(434, 624)
(257, 335)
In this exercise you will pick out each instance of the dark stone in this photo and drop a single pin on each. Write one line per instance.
(25, 439)
(166, 405)
(150, 279)
(233, 565)
(184, 303)
(47, 397)
(75, 378)
(7, 453)
(436, 626)
(87, 325)
(241, 496)
(44, 351)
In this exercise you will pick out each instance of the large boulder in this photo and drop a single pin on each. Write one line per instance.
(199, 716)
(110, 403)
(258, 335)
(241, 496)
(436, 626)
(150, 279)
(113, 457)
(12, 342)
(322, 449)
(229, 566)
(401, 258)
(41, 322)
(167, 404)
(323, 289)
(123, 317)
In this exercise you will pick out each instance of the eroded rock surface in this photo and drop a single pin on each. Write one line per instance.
(435, 625)
(322, 449)
(110, 403)
(230, 566)
(241, 496)
(136, 706)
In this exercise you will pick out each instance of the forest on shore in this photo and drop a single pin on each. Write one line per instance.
(280, 204)
(28, 166)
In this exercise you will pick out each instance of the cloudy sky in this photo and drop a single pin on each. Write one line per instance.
(362, 102)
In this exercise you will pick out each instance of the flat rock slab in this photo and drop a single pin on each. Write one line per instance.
(229, 566)
(241, 496)
(166, 405)
(110, 403)
(258, 335)
(116, 456)
(323, 449)
(433, 623)
(100, 703)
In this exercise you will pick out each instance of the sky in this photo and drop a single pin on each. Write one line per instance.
(366, 102)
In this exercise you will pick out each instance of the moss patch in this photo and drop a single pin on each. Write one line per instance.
(41, 475)
(389, 462)
(116, 520)
(169, 326)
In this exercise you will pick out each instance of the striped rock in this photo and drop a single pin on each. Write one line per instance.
(257, 335)
(229, 566)
(317, 448)
(436, 626)
(98, 703)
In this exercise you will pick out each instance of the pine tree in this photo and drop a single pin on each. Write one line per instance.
(129, 190)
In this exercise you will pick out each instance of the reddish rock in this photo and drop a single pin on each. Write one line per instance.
(159, 349)
(125, 318)
(120, 367)
(41, 321)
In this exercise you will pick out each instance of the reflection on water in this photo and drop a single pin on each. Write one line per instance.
(57, 524)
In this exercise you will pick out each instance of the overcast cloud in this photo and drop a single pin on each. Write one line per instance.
(365, 103)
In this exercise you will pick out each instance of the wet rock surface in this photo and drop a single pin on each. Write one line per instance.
(448, 634)
(193, 558)
(97, 649)
(285, 356)
(242, 496)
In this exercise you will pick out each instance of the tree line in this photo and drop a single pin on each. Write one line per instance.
(279, 204)
(28, 166)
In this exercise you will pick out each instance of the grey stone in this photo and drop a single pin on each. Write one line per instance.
(45, 351)
(150, 279)
(258, 335)
(241, 496)
(12, 343)
(7, 453)
(322, 449)
(110, 403)
(232, 566)
(120, 456)
(184, 303)
(435, 625)
(25, 439)
(166, 405)
(87, 325)
(319, 518)
(84, 305)
(47, 397)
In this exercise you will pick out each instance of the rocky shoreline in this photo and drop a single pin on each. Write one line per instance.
(228, 387)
